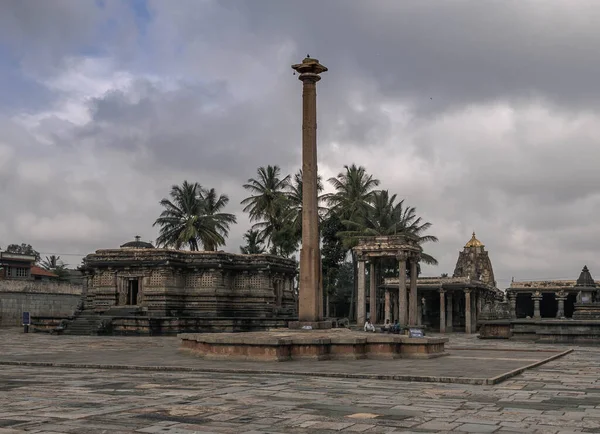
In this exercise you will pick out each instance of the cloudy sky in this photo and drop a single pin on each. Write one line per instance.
(483, 115)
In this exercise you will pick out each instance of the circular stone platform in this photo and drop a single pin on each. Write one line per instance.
(331, 344)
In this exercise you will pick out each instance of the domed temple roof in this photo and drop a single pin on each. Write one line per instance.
(474, 242)
(586, 279)
(137, 244)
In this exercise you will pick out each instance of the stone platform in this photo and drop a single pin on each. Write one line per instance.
(566, 331)
(334, 344)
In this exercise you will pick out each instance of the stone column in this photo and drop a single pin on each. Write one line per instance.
(561, 296)
(372, 293)
(396, 305)
(402, 295)
(388, 305)
(311, 285)
(442, 311)
(536, 297)
(450, 309)
(412, 309)
(512, 302)
(468, 321)
(361, 305)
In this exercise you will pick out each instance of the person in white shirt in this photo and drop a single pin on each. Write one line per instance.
(369, 327)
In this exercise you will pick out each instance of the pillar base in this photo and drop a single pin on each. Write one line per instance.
(315, 325)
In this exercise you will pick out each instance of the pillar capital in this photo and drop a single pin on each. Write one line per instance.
(414, 257)
(309, 70)
(402, 256)
(442, 291)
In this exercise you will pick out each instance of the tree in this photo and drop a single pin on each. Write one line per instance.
(254, 244)
(212, 204)
(268, 206)
(351, 201)
(333, 254)
(53, 264)
(193, 217)
(23, 249)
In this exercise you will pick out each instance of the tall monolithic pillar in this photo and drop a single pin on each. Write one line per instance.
(372, 293)
(468, 321)
(361, 303)
(311, 285)
(402, 295)
(413, 297)
(442, 311)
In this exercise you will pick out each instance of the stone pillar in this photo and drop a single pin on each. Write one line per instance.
(396, 306)
(468, 320)
(311, 285)
(372, 293)
(561, 296)
(475, 312)
(388, 305)
(412, 309)
(402, 295)
(361, 305)
(442, 311)
(450, 309)
(512, 302)
(536, 297)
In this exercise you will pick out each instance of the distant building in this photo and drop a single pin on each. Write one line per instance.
(14, 266)
(40, 274)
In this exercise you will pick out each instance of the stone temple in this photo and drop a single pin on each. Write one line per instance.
(139, 289)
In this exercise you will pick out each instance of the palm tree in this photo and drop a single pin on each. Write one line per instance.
(254, 244)
(294, 195)
(51, 262)
(351, 201)
(190, 218)
(212, 204)
(268, 206)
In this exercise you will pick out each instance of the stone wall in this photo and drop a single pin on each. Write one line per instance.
(38, 298)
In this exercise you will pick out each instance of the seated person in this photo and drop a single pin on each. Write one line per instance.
(396, 327)
(387, 327)
(369, 327)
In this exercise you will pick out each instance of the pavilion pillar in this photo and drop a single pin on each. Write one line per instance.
(395, 306)
(361, 304)
(442, 311)
(475, 312)
(468, 320)
(372, 293)
(388, 306)
(449, 312)
(561, 296)
(536, 297)
(512, 302)
(402, 295)
(413, 298)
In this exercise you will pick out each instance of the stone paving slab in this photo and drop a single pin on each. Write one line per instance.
(469, 366)
(560, 396)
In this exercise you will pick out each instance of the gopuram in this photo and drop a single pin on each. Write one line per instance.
(138, 289)
(444, 304)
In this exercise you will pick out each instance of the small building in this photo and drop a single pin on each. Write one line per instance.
(42, 275)
(15, 266)
(548, 298)
(176, 290)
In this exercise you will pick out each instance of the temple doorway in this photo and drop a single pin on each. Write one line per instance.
(524, 306)
(133, 286)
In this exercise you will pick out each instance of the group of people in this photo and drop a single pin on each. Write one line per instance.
(388, 327)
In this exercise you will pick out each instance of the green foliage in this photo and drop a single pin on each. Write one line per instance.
(193, 216)
(53, 264)
(254, 244)
(23, 249)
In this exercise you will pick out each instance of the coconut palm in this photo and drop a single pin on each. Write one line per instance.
(212, 204)
(51, 262)
(351, 201)
(268, 206)
(189, 219)
(254, 244)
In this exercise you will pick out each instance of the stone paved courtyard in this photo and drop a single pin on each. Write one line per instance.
(562, 395)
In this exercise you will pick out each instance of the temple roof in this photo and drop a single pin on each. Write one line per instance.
(137, 244)
(585, 278)
(474, 242)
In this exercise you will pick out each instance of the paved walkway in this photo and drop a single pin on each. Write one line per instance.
(559, 396)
